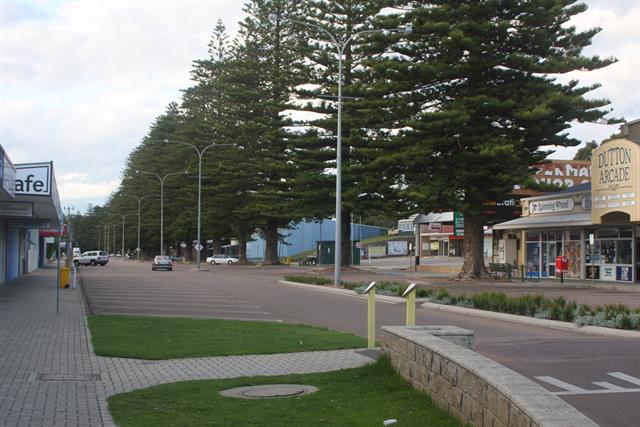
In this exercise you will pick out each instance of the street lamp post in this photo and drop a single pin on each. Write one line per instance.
(200, 154)
(139, 199)
(122, 240)
(340, 47)
(161, 179)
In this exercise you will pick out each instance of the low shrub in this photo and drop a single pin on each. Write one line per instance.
(312, 280)
(611, 315)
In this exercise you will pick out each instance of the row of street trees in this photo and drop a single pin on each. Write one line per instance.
(446, 116)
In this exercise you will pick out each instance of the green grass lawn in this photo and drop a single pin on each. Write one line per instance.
(158, 338)
(353, 397)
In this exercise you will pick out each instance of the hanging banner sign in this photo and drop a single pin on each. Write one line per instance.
(33, 179)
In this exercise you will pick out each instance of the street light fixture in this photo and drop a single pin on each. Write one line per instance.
(139, 199)
(340, 47)
(200, 154)
(161, 179)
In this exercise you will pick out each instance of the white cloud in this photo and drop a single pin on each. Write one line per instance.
(77, 186)
(82, 81)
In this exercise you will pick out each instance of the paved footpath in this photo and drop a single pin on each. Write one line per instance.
(49, 375)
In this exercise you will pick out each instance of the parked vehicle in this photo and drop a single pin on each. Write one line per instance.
(175, 258)
(92, 258)
(308, 260)
(221, 259)
(162, 262)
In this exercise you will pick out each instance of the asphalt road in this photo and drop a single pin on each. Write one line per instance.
(562, 362)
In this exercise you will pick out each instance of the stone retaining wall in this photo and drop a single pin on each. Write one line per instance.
(472, 387)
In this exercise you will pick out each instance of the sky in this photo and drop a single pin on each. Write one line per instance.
(81, 81)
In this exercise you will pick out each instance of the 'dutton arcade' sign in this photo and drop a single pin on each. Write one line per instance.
(615, 186)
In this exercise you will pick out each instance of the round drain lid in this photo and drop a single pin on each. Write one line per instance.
(270, 391)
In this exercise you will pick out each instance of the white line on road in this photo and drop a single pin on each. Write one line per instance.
(625, 377)
(561, 384)
(607, 387)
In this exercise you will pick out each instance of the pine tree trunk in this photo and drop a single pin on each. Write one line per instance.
(271, 244)
(242, 249)
(216, 246)
(473, 266)
(345, 255)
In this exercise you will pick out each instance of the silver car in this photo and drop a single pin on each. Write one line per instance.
(92, 258)
(162, 262)
(221, 259)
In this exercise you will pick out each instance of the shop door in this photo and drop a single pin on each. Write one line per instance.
(551, 259)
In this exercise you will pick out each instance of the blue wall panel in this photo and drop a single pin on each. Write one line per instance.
(303, 236)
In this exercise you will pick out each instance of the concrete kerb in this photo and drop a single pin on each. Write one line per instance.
(541, 323)
(346, 292)
(524, 320)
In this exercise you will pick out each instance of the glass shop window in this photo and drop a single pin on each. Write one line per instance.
(608, 251)
(626, 232)
(607, 233)
(623, 252)
(533, 236)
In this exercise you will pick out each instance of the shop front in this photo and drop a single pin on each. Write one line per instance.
(595, 226)
(32, 204)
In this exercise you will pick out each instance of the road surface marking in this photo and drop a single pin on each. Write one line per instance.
(625, 377)
(609, 386)
(606, 387)
(561, 384)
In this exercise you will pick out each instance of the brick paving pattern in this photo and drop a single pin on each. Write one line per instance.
(48, 369)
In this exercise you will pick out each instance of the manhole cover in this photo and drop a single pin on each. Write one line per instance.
(269, 391)
(68, 377)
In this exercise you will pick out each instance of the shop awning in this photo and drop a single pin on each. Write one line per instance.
(35, 196)
(546, 221)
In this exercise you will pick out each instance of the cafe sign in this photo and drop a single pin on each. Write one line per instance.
(615, 180)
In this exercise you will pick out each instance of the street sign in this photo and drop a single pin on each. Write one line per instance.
(458, 224)
(198, 247)
(138, 249)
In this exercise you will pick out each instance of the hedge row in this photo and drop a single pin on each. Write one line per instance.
(617, 316)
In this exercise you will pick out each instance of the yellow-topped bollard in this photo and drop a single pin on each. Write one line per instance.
(371, 315)
(410, 293)
(65, 277)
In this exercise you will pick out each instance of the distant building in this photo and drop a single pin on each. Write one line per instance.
(567, 173)
(303, 236)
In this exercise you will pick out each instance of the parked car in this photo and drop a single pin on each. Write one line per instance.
(92, 258)
(175, 258)
(308, 260)
(162, 262)
(221, 259)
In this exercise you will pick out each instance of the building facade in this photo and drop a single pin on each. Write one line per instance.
(29, 202)
(595, 226)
